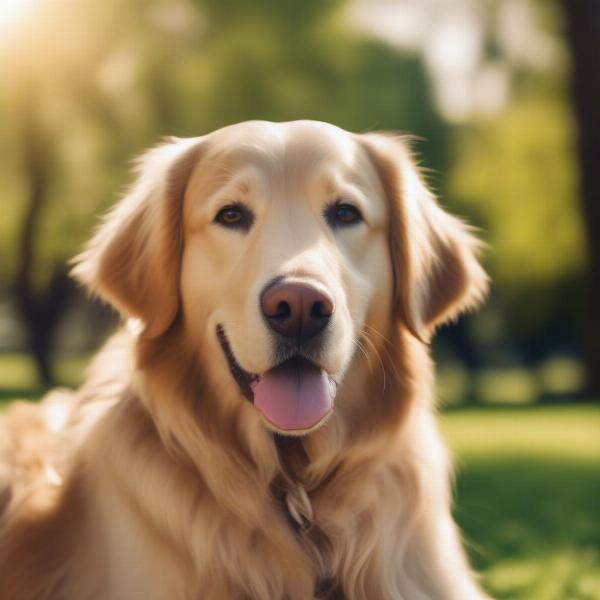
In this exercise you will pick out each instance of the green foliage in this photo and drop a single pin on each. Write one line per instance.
(516, 178)
(529, 214)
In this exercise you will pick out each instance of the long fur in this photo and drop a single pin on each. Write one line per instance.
(153, 482)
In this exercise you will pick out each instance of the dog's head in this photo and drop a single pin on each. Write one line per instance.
(274, 247)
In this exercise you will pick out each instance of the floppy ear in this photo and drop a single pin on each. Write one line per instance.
(133, 260)
(436, 272)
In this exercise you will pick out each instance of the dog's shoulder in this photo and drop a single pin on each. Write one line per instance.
(29, 444)
(37, 438)
(41, 479)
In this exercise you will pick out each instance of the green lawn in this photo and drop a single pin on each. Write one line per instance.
(527, 494)
(528, 498)
(18, 376)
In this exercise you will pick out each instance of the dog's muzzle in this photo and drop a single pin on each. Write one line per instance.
(294, 396)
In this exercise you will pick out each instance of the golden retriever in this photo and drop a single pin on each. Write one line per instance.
(263, 426)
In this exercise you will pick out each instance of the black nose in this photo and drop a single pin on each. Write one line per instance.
(296, 310)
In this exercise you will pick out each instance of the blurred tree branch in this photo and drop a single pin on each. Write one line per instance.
(583, 33)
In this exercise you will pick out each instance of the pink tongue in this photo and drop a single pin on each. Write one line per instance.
(294, 395)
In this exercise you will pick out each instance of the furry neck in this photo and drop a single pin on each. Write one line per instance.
(212, 448)
(199, 419)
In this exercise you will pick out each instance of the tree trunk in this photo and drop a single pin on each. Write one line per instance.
(583, 35)
(40, 310)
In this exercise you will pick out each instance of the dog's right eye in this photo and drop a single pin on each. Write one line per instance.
(235, 216)
(340, 214)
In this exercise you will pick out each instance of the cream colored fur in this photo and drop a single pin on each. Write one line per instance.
(153, 481)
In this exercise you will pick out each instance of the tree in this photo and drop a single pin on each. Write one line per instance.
(583, 33)
(40, 309)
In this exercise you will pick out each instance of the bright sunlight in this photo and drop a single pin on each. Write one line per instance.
(12, 13)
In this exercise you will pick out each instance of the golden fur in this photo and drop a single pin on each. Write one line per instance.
(155, 480)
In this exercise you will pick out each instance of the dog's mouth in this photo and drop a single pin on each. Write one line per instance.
(294, 396)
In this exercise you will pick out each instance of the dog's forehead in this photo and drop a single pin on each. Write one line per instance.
(296, 148)
(294, 160)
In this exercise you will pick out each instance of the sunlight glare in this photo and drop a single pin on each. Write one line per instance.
(12, 13)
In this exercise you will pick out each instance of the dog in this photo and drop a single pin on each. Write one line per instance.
(263, 425)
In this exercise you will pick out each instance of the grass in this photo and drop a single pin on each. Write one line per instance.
(18, 378)
(527, 494)
(528, 491)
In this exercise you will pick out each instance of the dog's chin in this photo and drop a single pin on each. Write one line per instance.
(294, 396)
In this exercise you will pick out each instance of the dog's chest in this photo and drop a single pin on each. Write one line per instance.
(294, 502)
(296, 505)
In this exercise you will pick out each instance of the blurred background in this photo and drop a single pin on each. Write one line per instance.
(505, 98)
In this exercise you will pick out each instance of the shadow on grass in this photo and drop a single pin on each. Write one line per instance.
(7, 395)
(533, 525)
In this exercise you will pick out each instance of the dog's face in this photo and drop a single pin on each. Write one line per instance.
(285, 256)
(277, 245)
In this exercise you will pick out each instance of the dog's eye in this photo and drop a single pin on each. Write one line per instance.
(235, 216)
(340, 214)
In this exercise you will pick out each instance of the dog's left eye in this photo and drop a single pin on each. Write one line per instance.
(235, 216)
(341, 214)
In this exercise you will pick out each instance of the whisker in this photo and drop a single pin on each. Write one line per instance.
(378, 333)
(386, 349)
(358, 344)
(375, 351)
